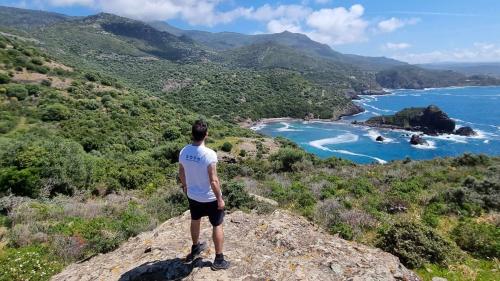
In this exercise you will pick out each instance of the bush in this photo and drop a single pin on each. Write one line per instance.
(28, 263)
(236, 197)
(91, 77)
(46, 83)
(243, 153)
(286, 157)
(18, 91)
(4, 78)
(415, 244)
(471, 160)
(171, 134)
(55, 112)
(480, 239)
(37, 61)
(226, 147)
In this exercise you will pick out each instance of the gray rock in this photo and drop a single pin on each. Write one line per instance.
(278, 246)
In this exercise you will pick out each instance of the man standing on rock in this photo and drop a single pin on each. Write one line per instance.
(198, 174)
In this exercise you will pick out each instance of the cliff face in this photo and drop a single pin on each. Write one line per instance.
(278, 246)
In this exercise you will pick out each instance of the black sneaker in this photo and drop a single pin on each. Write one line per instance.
(195, 252)
(220, 264)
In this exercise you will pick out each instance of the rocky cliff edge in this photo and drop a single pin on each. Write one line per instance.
(277, 246)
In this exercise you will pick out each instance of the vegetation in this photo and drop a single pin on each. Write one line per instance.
(90, 159)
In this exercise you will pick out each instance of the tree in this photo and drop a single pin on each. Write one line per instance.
(55, 112)
(4, 78)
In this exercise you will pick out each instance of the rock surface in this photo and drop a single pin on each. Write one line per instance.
(380, 138)
(430, 120)
(465, 131)
(278, 246)
(418, 140)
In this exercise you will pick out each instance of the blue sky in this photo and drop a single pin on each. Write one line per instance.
(414, 31)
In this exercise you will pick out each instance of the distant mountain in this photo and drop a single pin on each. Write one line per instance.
(297, 41)
(479, 68)
(29, 19)
(413, 77)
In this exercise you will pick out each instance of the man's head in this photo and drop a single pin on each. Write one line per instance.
(199, 130)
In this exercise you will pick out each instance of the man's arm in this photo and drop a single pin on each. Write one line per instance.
(182, 176)
(215, 184)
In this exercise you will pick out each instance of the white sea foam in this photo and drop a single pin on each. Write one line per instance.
(258, 126)
(373, 134)
(381, 161)
(376, 108)
(430, 145)
(345, 138)
(287, 128)
(486, 141)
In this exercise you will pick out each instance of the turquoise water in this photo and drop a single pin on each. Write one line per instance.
(477, 107)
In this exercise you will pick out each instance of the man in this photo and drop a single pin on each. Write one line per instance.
(198, 174)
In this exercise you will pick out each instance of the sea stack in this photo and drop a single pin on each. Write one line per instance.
(418, 140)
(465, 131)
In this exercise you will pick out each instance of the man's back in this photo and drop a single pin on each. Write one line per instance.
(195, 159)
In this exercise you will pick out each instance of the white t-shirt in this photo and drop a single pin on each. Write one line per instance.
(195, 160)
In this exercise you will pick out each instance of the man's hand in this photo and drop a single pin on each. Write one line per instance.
(221, 204)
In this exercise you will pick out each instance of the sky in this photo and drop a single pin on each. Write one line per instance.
(416, 31)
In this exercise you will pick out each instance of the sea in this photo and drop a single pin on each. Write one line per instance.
(477, 107)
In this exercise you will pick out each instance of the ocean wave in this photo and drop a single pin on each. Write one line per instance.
(376, 108)
(287, 128)
(430, 145)
(379, 160)
(373, 134)
(345, 138)
(486, 141)
(258, 127)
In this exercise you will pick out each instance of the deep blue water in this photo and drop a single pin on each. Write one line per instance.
(478, 107)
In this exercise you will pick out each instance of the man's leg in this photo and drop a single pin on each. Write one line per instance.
(195, 231)
(218, 236)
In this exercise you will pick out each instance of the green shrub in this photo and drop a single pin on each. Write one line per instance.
(3, 45)
(91, 77)
(4, 78)
(37, 61)
(480, 239)
(18, 91)
(471, 160)
(415, 244)
(33, 90)
(286, 157)
(236, 197)
(46, 83)
(23, 182)
(34, 263)
(226, 147)
(243, 153)
(171, 134)
(55, 112)
(344, 230)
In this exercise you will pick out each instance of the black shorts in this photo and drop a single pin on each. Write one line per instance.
(201, 209)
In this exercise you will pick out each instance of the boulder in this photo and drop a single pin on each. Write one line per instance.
(465, 131)
(418, 140)
(380, 138)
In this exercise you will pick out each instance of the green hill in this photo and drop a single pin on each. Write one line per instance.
(88, 159)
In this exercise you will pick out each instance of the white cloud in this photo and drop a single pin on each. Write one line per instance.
(479, 52)
(338, 25)
(393, 23)
(396, 46)
(333, 26)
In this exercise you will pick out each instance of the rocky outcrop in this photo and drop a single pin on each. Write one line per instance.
(380, 138)
(418, 140)
(350, 109)
(278, 246)
(430, 120)
(465, 131)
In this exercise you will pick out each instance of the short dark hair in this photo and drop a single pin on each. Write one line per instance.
(199, 130)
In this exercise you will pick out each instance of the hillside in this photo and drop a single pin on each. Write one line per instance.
(277, 246)
(91, 128)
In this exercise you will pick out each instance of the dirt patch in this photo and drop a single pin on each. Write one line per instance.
(171, 85)
(250, 146)
(37, 78)
(53, 64)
